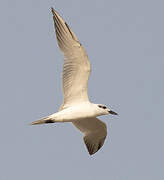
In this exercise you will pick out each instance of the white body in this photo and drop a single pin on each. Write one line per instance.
(76, 107)
(78, 111)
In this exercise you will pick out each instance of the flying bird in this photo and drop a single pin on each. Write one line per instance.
(76, 107)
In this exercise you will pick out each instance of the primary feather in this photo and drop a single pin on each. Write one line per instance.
(76, 68)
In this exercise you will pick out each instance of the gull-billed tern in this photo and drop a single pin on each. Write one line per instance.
(76, 107)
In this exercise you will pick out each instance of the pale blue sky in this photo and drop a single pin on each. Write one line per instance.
(125, 44)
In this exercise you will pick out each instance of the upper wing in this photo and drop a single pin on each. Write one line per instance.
(76, 68)
(95, 132)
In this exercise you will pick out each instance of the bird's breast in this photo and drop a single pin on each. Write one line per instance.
(75, 113)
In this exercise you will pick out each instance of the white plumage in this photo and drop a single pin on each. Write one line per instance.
(76, 107)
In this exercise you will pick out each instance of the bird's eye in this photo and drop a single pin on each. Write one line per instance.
(103, 107)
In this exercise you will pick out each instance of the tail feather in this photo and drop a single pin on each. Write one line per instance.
(43, 121)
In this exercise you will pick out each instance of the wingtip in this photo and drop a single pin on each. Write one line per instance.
(52, 10)
(91, 154)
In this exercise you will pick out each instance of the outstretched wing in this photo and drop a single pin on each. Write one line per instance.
(95, 132)
(76, 68)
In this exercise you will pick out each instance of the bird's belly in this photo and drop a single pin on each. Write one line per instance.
(72, 114)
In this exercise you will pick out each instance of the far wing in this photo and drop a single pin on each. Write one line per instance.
(76, 68)
(95, 132)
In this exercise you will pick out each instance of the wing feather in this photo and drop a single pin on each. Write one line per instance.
(76, 68)
(95, 132)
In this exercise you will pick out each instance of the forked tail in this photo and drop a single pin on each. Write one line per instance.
(43, 121)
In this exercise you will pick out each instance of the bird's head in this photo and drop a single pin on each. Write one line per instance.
(104, 110)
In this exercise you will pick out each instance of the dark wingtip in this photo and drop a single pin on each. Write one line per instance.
(52, 10)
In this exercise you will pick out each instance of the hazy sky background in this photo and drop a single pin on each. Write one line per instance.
(125, 44)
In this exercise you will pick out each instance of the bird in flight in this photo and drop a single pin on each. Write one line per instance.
(76, 107)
